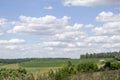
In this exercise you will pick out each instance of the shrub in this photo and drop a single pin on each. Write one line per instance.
(107, 66)
(115, 65)
(15, 74)
(86, 67)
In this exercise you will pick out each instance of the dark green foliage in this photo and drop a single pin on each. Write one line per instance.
(69, 64)
(15, 74)
(115, 65)
(12, 61)
(117, 58)
(84, 71)
(86, 67)
(68, 70)
(107, 65)
(87, 70)
(101, 55)
(111, 65)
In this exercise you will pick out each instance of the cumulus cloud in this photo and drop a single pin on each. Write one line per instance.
(46, 25)
(56, 38)
(54, 44)
(111, 24)
(108, 17)
(69, 36)
(104, 39)
(12, 47)
(1, 33)
(107, 35)
(12, 41)
(3, 22)
(48, 7)
(110, 28)
(90, 3)
(72, 33)
(3, 25)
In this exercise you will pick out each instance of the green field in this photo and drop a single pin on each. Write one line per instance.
(55, 62)
(44, 65)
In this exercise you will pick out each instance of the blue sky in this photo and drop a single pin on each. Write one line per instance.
(12, 9)
(58, 28)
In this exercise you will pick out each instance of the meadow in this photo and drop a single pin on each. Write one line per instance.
(40, 66)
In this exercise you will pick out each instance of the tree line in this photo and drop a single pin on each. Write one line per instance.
(13, 61)
(101, 55)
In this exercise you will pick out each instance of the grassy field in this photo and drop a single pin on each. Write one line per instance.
(43, 65)
(54, 62)
(9, 66)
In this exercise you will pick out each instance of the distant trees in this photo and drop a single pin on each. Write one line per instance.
(101, 55)
(12, 61)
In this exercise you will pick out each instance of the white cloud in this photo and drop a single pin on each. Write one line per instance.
(3, 25)
(69, 36)
(71, 33)
(115, 38)
(48, 7)
(12, 47)
(90, 3)
(111, 25)
(3, 22)
(110, 28)
(97, 39)
(111, 46)
(44, 25)
(108, 16)
(12, 41)
(107, 36)
(54, 37)
(1, 33)
(103, 39)
(54, 44)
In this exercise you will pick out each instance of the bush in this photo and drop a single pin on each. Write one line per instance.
(107, 65)
(115, 65)
(15, 74)
(86, 67)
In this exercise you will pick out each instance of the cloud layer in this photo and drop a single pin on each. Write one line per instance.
(12, 41)
(56, 38)
(3, 22)
(108, 17)
(90, 3)
(46, 25)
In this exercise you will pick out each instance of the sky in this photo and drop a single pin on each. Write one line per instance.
(58, 28)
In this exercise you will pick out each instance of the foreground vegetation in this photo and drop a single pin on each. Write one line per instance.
(86, 68)
(15, 74)
(85, 71)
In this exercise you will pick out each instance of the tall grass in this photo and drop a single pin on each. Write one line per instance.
(102, 75)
